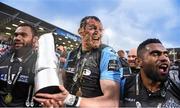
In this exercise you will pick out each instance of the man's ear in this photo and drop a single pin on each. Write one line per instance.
(35, 42)
(81, 31)
(138, 61)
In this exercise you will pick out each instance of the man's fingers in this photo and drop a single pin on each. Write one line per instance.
(48, 96)
(44, 95)
(54, 103)
(40, 100)
(57, 97)
(50, 103)
(47, 103)
(60, 103)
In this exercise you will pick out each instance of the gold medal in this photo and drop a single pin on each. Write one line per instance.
(79, 92)
(8, 98)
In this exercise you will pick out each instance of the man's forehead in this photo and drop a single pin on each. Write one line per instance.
(23, 28)
(155, 46)
(91, 21)
(132, 51)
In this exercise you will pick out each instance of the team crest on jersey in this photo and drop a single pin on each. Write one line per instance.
(113, 65)
(86, 72)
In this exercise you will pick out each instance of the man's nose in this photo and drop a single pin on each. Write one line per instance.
(96, 31)
(164, 58)
(130, 58)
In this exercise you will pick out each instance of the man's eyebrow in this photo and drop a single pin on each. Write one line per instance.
(21, 33)
(155, 51)
(158, 51)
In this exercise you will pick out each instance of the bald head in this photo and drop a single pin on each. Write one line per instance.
(132, 56)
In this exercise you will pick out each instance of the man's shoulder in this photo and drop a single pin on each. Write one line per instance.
(102, 46)
(174, 88)
(5, 58)
(108, 50)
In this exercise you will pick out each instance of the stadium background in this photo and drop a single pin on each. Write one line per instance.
(11, 17)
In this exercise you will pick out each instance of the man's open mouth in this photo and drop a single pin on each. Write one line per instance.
(163, 68)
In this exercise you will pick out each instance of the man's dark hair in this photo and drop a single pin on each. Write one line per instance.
(142, 46)
(33, 29)
(83, 21)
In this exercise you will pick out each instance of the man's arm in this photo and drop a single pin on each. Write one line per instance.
(109, 84)
(109, 98)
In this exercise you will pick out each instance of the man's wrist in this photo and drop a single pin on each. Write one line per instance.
(72, 100)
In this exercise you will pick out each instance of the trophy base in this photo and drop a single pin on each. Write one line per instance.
(50, 90)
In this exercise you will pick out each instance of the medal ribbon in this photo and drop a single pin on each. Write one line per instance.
(81, 61)
(14, 62)
(11, 82)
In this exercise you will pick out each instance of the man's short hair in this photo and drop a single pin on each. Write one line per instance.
(83, 21)
(121, 53)
(33, 29)
(142, 46)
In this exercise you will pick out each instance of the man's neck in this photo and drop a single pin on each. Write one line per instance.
(149, 84)
(85, 48)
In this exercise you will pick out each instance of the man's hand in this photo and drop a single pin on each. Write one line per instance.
(52, 100)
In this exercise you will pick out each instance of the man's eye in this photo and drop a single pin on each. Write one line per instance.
(100, 29)
(166, 54)
(133, 56)
(92, 27)
(21, 34)
(155, 54)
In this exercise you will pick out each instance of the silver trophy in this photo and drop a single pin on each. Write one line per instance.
(47, 78)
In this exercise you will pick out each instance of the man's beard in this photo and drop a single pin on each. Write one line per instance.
(26, 47)
(153, 74)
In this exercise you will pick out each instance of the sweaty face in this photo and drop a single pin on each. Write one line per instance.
(23, 37)
(132, 55)
(156, 62)
(92, 33)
